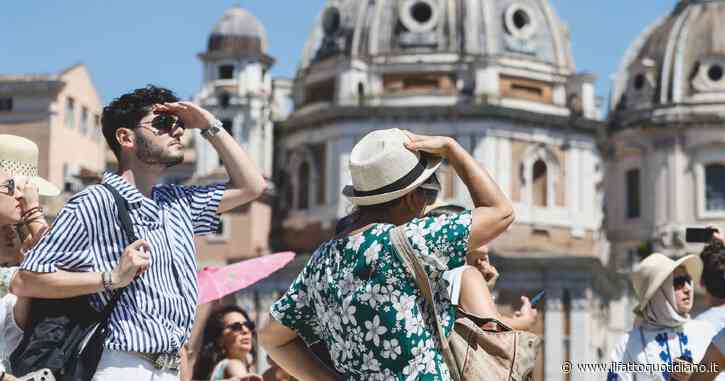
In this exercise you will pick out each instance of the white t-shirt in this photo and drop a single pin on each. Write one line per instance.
(10, 333)
(660, 346)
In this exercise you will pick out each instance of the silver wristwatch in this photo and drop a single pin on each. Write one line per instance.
(214, 128)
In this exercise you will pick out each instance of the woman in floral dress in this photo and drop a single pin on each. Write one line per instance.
(355, 297)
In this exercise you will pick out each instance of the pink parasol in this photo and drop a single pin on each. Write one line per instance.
(217, 282)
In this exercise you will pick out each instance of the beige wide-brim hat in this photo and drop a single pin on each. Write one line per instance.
(19, 157)
(654, 270)
(383, 169)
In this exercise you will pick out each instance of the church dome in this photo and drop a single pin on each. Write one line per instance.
(675, 70)
(239, 32)
(465, 29)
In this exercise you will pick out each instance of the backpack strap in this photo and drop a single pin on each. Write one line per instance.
(406, 254)
(127, 228)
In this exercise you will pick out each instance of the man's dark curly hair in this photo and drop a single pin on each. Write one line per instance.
(127, 111)
(713, 273)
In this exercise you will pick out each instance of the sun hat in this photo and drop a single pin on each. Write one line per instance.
(19, 157)
(383, 169)
(653, 270)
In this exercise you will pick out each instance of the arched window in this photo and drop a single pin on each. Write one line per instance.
(540, 180)
(303, 186)
(715, 187)
(540, 173)
(633, 193)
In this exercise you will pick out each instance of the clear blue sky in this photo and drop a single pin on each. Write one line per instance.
(127, 44)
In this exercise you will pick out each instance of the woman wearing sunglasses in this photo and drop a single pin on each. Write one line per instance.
(228, 351)
(19, 208)
(663, 333)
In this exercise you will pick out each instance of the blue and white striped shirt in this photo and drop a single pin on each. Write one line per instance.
(157, 310)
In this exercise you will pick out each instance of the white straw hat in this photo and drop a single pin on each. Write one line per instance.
(654, 270)
(19, 157)
(383, 169)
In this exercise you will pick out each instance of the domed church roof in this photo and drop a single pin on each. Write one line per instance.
(521, 29)
(238, 31)
(677, 65)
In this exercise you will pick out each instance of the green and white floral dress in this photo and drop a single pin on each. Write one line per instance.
(356, 298)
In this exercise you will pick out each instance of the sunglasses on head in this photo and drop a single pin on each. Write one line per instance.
(165, 123)
(238, 326)
(9, 185)
(679, 281)
(430, 188)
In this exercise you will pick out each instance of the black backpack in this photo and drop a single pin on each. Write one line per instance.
(67, 335)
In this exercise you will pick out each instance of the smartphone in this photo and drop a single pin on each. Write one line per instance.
(700, 235)
(537, 298)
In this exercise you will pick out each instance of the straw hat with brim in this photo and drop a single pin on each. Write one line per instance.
(654, 270)
(19, 157)
(382, 169)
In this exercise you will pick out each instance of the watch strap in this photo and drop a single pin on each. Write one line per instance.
(214, 128)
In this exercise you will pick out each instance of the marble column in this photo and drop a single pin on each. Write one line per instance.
(580, 335)
(553, 334)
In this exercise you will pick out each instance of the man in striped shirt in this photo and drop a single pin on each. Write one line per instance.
(84, 251)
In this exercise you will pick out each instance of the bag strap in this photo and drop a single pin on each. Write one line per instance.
(406, 254)
(127, 228)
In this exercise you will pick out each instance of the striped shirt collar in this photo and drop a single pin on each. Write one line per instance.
(128, 191)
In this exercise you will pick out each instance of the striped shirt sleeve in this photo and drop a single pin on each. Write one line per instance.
(204, 202)
(66, 246)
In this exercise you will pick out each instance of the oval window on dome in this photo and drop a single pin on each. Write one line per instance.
(519, 21)
(421, 12)
(331, 20)
(715, 72)
(419, 15)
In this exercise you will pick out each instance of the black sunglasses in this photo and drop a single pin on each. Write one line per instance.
(10, 185)
(165, 123)
(237, 327)
(679, 281)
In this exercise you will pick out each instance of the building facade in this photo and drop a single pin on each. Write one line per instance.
(61, 113)
(237, 89)
(664, 150)
(497, 76)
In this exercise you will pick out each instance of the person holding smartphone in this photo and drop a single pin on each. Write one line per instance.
(472, 298)
(663, 332)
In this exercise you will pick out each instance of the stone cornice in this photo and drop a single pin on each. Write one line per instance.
(663, 117)
(449, 113)
(604, 281)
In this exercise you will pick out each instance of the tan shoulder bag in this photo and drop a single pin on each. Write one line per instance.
(473, 353)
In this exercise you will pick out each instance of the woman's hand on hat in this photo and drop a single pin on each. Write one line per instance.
(30, 197)
(435, 145)
(192, 115)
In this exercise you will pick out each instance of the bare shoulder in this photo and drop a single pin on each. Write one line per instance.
(236, 368)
